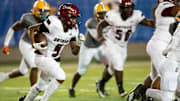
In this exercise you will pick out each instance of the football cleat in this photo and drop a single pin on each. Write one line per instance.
(22, 98)
(100, 90)
(135, 93)
(72, 92)
(3, 76)
(123, 93)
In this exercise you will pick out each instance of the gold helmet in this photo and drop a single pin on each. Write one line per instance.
(41, 9)
(178, 16)
(99, 10)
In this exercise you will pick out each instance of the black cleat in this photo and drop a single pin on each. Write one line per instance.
(72, 92)
(22, 98)
(135, 93)
(100, 90)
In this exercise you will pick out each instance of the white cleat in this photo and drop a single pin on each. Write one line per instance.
(3, 76)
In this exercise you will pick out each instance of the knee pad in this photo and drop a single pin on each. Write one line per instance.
(169, 81)
(82, 70)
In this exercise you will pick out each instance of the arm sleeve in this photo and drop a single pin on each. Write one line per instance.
(140, 16)
(9, 35)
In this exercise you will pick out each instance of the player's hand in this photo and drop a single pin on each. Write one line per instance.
(6, 50)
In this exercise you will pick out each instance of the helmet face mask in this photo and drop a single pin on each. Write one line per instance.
(41, 9)
(68, 13)
(100, 10)
(100, 16)
(44, 13)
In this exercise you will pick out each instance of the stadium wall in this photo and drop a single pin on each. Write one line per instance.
(11, 11)
(136, 50)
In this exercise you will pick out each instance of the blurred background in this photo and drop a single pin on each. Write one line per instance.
(11, 11)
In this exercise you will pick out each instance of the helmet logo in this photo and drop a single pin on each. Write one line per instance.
(66, 7)
(128, 4)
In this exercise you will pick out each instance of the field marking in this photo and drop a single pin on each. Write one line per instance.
(26, 89)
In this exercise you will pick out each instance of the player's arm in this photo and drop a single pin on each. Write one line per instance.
(74, 47)
(15, 27)
(148, 22)
(100, 28)
(31, 31)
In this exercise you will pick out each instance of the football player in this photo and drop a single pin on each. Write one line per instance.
(60, 30)
(164, 17)
(91, 47)
(122, 23)
(39, 13)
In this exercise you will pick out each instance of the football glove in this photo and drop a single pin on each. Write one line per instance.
(6, 50)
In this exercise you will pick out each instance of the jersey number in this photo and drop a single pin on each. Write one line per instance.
(57, 49)
(119, 35)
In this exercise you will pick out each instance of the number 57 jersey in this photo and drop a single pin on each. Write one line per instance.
(57, 37)
(121, 30)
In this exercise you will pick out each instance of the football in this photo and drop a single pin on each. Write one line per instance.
(41, 38)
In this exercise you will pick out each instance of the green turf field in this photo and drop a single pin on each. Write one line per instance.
(134, 72)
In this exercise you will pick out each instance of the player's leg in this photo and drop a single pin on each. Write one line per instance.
(40, 86)
(85, 57)
(52, 68)
(118, 60)
(29, 56)
(168, 71)
(15, 73)
(100, 85)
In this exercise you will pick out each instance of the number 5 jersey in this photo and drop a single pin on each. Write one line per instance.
(57, 37)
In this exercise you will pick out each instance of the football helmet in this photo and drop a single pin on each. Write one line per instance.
(126, 8)
(100, 10)
(41, 9)
(126, 3)
(68, 11)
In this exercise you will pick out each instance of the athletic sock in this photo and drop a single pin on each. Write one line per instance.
(120, 86)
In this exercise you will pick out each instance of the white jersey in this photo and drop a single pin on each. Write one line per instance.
(56, 37)
(121, 30)
(174, 48)
(162, 23)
